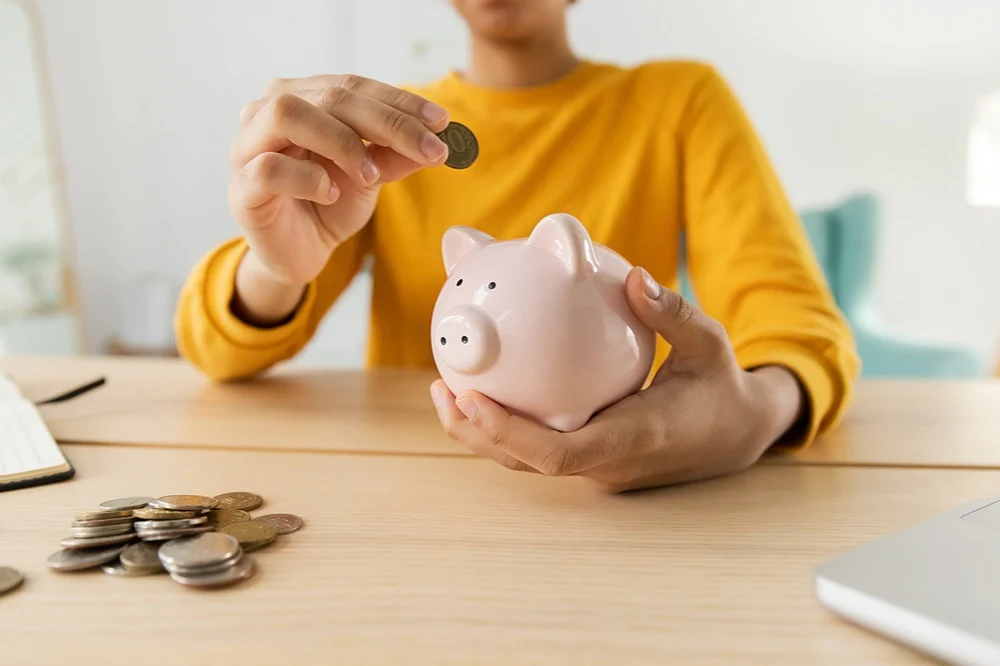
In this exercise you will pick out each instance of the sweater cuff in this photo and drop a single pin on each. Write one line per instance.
(816, 378)
(220, 287)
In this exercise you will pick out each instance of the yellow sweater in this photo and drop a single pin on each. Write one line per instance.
(638, 155)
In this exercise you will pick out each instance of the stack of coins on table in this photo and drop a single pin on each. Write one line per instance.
(201, 541)
(206, 560)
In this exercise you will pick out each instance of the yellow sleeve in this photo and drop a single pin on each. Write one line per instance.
(223, 346)
(751, 263)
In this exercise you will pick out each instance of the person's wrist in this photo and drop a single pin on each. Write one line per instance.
(778, 402)
(254, 270)
(261, 298)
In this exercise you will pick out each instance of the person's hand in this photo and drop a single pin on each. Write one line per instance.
(701, 416)
(309, 161)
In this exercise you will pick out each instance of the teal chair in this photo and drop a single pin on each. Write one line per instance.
(844, 239)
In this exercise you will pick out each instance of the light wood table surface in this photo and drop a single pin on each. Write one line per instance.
(168, 403)
(435, 560)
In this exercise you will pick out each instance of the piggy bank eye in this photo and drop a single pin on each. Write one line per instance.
(491, 285)
(459, 283)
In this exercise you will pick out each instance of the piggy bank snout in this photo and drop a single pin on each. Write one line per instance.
(466, 340)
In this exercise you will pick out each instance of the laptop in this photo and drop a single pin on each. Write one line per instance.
(934, 587)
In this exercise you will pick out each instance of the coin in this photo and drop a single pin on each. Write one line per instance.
(101, 515)
(150, 513)
(199, 551)
(100, 530)
(142, 556)
(184, 502)
(126, 503)
(285, 523)
(169, 524)
(118, 569)
(74, 543)
(240, 500)
(76, 560)
(215, 568)
(164, 535)
(243, 569)
(102, 521)
(463, 147)
(10, 578)
(222, 517)
(252, 534)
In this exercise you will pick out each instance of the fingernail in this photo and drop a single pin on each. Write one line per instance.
(467, 407)
(650, 286)
(333, 193)
(433, 148)
(433, 113)
(437, 396)
(370, 172)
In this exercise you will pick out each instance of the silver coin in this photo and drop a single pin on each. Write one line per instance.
(184, 502)
(101, 530)
(215, 568)
(10, 578)
(203, 550)
(119, 569)
(142, 556)
(76, 560)
(102, 521)
(165, 535)
(169, 524)
(104, 513)
(76, 543)
(124, 503)
(243, 569)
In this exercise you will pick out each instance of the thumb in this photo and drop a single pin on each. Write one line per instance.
(690, 332)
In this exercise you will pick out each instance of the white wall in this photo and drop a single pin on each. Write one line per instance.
(148, 97)
(873, 94)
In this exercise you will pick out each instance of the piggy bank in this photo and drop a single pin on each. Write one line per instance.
(540, 325)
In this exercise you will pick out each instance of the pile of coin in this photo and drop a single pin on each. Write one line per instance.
(200, 541)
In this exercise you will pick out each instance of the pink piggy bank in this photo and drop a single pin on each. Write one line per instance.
(540, 324)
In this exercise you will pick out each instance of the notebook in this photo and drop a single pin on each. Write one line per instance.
(29, 456)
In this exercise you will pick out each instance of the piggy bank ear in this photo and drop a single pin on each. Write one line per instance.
(568, 240)
(460, 241)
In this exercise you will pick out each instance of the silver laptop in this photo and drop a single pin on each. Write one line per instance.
(934, 587)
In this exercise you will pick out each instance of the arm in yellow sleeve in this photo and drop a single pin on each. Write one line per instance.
(750, 260)
(223, 346)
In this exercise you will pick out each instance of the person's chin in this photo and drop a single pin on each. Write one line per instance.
(503, 31)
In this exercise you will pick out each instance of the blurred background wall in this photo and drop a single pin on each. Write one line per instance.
(857, 95)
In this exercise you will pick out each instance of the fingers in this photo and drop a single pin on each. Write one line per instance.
(289, 120)
(334, 123)
(460, 429)
(381, 123)
(434, 116)
(493, 432)
(272, 174)
(688, 330)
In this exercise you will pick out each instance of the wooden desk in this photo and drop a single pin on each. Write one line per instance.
(168, 403)
(424, 560)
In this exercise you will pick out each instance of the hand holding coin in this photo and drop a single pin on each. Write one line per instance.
(310, 158)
